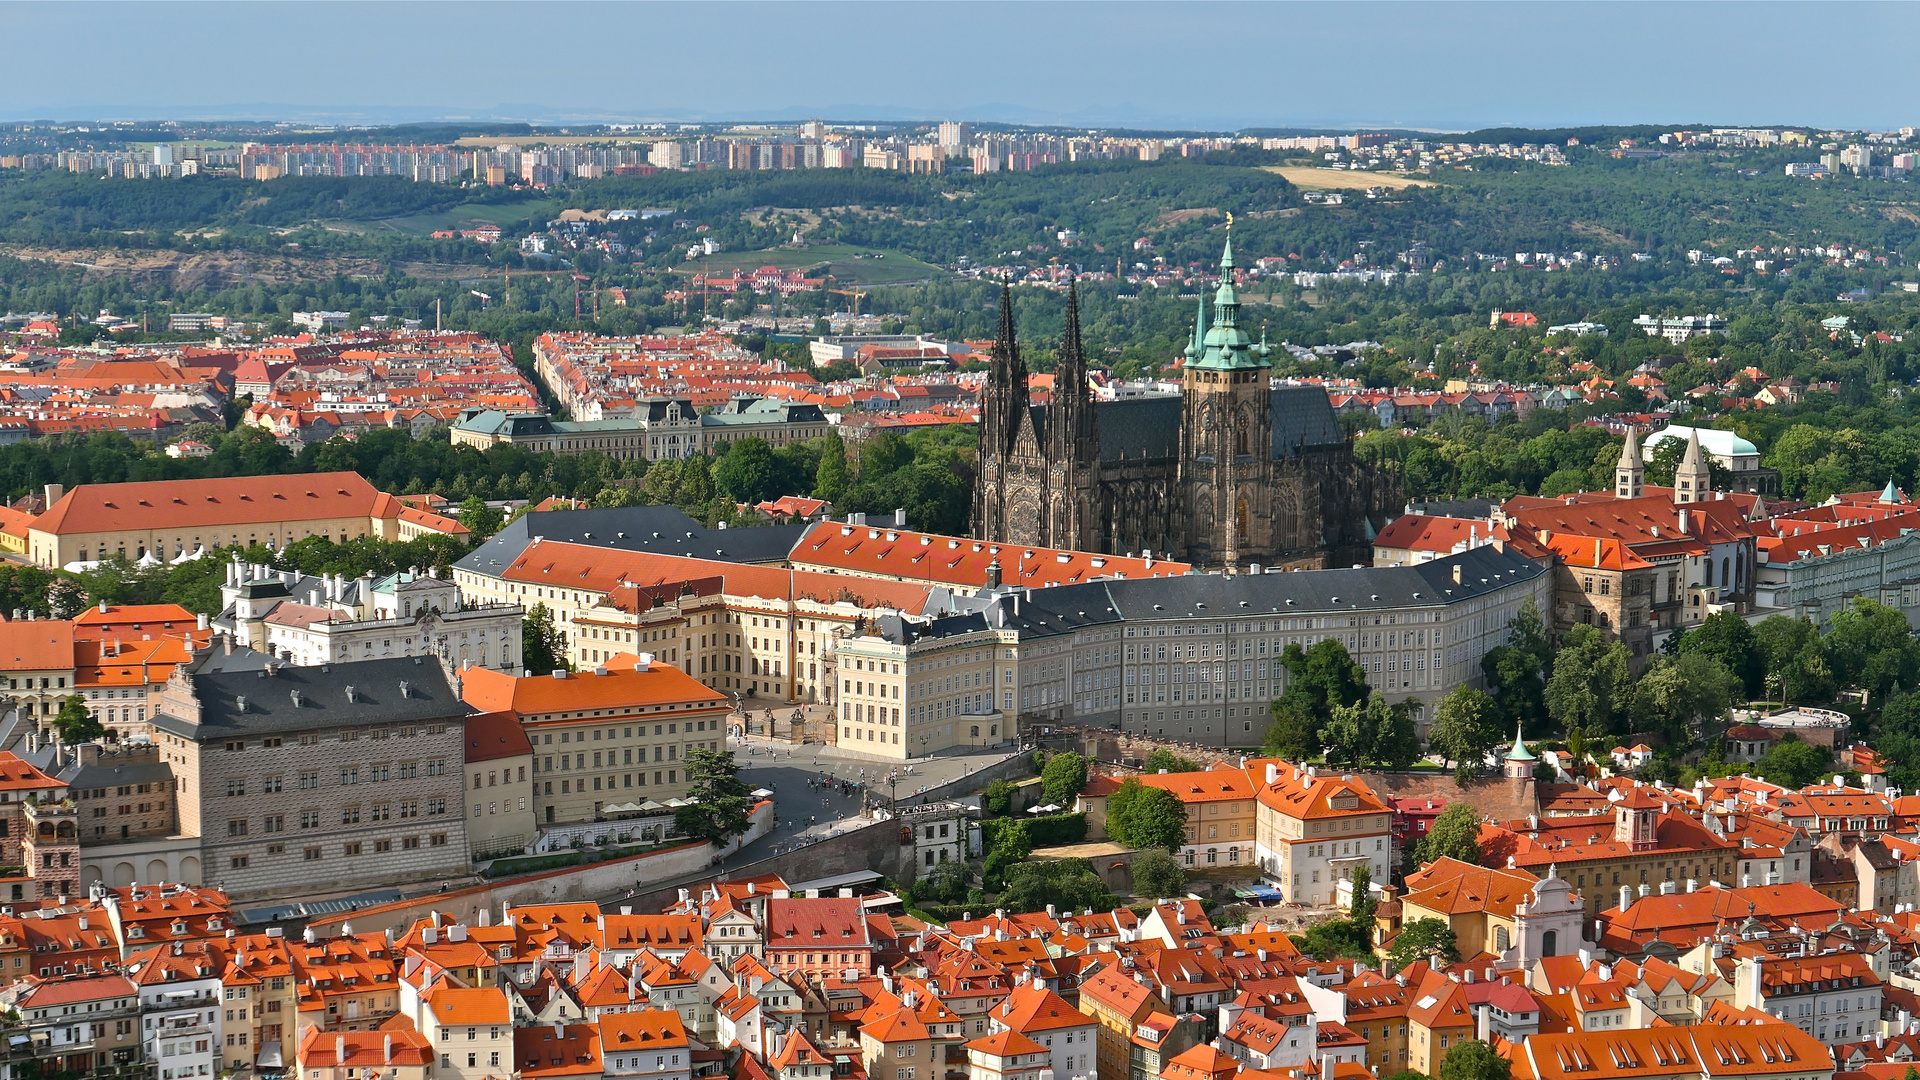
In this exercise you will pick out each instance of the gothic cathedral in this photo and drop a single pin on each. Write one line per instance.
(1231, 474)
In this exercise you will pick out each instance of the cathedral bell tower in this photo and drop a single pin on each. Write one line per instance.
(1226, 434)
(1073, 449)
(1003, 407)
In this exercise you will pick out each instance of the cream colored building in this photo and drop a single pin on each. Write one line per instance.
(170, 519)
(1316, 828)
(604, 736)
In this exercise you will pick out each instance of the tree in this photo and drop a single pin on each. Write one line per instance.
(946, 883)
(1795, 658)
(76, 723)
(1322, 677)
(1730, 639)
(997, 798)
(1872, 647)
(1067, 884)
(719, 803)
(1010, 848)
(1333, 939)
(1591, 683)
(833, 478)
(1516, 670)
(1370, 734)
(1471, 1059)
(1156, 873)
(480, 519)
(1364, 904)
(1064, 776)
(1294, 733)
(1466, 727)
(1165, 760)
(1424, 939)
(543, 648)
(1793, 763)
(1146, 817)
(1678, 693)
(746, 472)
(1454, 834)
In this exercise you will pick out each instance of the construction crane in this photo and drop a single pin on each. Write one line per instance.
(577, 279)
(484, 298)
(855, 294)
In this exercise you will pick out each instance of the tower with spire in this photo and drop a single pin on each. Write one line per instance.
(1230, 472)
(1003, 407)
(1073, 443)
(1226, 433)
(1630, 475)
(1692, 481)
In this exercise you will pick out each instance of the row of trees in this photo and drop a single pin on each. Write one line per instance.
(1585, 689)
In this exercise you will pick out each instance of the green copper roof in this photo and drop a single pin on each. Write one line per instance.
(1519, 751)
(1224, 346)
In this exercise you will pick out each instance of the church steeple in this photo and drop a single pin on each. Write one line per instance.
(1630, 475)
(1006, 393)
(1226, 347)
(1692, 479)
(1070, 419)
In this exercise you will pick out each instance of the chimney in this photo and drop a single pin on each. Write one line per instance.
(203, 622)
(1684, 522)
(54, 491)
(1459, 575)
(340, 1049)
(387, 1050)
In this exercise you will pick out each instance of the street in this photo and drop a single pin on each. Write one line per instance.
(811, 811)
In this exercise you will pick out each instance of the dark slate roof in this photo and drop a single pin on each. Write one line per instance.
(1359, 589)
(107, 774)
(1467, 509)
(1149, 427)
(323, 693)
(1303, 418)
(661, 530)
(1069, 608)
(1141, 427)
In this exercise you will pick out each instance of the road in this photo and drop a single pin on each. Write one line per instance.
(821, 808)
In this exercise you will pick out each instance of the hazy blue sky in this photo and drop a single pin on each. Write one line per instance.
(1438, 65)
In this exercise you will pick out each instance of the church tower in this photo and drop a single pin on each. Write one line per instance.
(1691, 479)
(1226, 435)
(1630, 476)
(1003, 405)
(1073, 444)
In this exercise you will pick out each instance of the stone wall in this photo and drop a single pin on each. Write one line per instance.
(569, 885)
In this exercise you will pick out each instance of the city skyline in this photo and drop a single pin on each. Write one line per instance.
(1410, 66)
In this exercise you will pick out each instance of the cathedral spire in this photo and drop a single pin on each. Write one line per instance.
(1070, 422)
(1199, 343)
(1006, 391)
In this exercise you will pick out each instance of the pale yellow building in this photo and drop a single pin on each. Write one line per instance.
(170, 519)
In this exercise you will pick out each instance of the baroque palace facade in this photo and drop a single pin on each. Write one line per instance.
(1232, 473)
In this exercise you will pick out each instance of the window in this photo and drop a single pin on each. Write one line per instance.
(351, 850)
(311, 854)
(272, 785)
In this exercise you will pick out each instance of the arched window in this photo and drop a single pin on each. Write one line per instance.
(1550, 943)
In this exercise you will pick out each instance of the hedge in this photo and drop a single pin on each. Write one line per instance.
(1045, 830)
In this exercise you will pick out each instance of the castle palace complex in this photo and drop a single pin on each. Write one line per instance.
(1232, 473)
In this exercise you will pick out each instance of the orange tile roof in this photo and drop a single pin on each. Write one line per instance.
(573, 1051)
(1030, 1008)
(235, 500)
(534, 695)
(955, 560)
(1005, 1044)
(1420, 532)
(647, 1029)
(104, 621)
(36, 645)
(495, 735)
(1297, 794)
(603, 570)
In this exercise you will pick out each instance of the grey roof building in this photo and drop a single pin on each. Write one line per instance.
(348, 774)
(659, 530)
